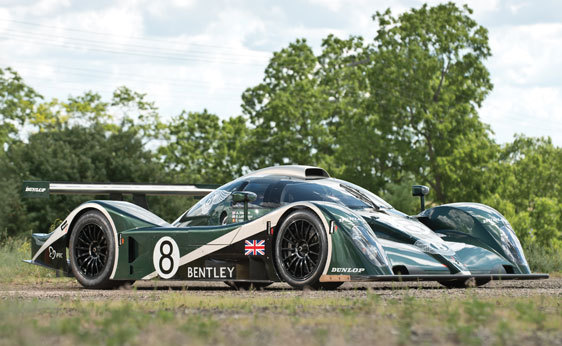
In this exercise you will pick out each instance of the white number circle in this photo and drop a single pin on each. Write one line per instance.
(166, 257)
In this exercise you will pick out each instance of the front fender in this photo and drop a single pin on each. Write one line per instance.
(356, 250)
(479, 225)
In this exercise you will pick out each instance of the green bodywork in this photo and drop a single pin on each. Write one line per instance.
(480, 226)
(455, 239)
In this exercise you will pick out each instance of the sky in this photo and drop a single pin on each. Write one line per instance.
(193, 55)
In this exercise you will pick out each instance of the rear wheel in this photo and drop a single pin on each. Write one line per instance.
(301, 249)
(92, 251)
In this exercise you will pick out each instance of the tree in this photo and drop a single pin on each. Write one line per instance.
(17, 101)
(85, 139)
(287, 110)
(202, 149)
(311, 110)
(138, 114)
(377, 113)
(363, 144)
(80, 154)
(529, 189)
(428, 78)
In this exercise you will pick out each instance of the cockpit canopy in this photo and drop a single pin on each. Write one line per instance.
(272, 192)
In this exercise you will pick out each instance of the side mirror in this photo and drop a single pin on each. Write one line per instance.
(421, 191)
(246, 197)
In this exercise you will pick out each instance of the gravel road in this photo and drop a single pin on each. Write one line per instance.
(66, 289)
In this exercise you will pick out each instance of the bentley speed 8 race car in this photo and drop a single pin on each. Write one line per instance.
(292, 224)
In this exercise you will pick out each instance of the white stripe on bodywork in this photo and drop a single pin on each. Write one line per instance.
(59, 233)
(250, 229)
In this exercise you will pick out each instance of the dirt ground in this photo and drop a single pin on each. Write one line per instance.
(70, 289)
(59, 311)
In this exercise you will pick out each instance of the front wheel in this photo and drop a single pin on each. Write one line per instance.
(92, 251)
(301, 249)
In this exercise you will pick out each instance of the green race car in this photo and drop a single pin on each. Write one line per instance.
(292, 224)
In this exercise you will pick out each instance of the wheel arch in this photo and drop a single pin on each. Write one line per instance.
(85, 208)
(321, 218)
(74, 221)
(288, 212)
(480, 222)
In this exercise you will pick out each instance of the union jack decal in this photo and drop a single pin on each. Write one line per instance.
(254, 247)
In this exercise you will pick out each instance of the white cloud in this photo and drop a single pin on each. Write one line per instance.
(47, 7)
(526, 71)
(527, 54)
(213, 50)
(5, 15)
(183, 3)
(332, 5)
(480, 7)
(117, 22)
(534, 111)
(515, 8)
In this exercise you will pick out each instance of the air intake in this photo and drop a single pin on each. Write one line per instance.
(303, 172)
(315, 172)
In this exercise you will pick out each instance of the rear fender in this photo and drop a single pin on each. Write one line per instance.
(45, 246)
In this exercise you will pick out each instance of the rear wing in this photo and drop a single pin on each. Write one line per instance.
(42, 189)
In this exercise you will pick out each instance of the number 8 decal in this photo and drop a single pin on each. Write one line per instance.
(166, 257)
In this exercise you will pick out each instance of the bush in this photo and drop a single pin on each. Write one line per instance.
(12, 268)
(543, 259)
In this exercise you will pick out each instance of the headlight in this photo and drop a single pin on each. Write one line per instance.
(367, 243)
(361, 235)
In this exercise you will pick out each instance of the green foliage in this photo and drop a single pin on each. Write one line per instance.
(17, 102)
(543, 259)
(13, 270)
(83, 154)
(287, 110)
(201, 149)
(528, 190)
(14, 219)
(431, 93)
(400, 197)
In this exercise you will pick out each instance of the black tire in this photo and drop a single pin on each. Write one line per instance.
(92, 251)
(464, 283)
(301, 249)
(247, 286)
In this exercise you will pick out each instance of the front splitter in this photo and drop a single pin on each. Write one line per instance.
(404, 278)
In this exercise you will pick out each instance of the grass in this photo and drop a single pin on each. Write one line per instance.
(277, 317)
(181, 317)
(14, 270)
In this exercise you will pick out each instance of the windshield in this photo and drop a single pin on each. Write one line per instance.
(274, 192)
(381, 203)
(332, 190)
